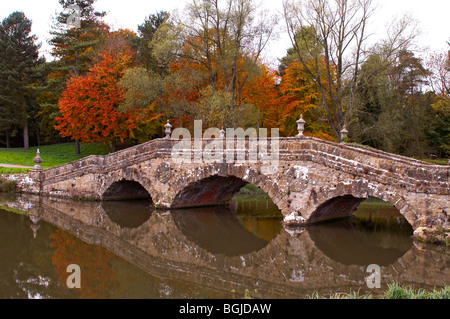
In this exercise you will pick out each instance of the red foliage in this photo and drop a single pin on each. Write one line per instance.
(89, 105)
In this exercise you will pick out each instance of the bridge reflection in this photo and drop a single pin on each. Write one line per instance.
(213, 248)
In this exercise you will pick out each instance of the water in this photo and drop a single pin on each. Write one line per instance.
(127, 250)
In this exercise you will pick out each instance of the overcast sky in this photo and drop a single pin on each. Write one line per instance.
(432, 15)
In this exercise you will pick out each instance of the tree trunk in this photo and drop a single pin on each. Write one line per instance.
(258, 124)
(112, 146)
(77, 147)
(8, 143)
(38, 133)
(26, 138)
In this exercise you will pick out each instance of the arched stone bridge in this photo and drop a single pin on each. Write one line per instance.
(315, 180)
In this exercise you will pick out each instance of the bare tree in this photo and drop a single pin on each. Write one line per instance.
(341, 31)
(439, 65)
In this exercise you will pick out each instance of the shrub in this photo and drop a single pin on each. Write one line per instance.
(7, 186)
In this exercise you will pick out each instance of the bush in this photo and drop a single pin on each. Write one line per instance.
(7, 186)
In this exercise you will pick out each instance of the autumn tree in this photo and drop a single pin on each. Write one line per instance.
(90, 106)
(217, 43)
(75, 43)
(145, 83)
(299, 95)
(341, 30)
(262, 93)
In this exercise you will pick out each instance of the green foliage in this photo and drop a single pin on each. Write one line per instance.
(7, 186)
(395, 115)
(19, 58)
(146, 56)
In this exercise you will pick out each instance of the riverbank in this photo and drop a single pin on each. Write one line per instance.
(394, 291)
(20, 161)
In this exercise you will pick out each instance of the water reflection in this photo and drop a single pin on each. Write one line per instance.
(378, 234)
(128, 214)
(205, 253)
(218, 230)
(345, 243)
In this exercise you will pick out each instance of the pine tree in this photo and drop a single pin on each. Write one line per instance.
(75, 48)
(19, 58)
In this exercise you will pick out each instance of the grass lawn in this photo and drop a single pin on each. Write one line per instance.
(53, 155)
(435, 162)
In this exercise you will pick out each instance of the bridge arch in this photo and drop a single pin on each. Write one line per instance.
(344, 199)
(125, 190)
(126, 184)
(215, 185)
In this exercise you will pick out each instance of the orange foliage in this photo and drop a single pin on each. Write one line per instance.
(297, 95)
(89, 105)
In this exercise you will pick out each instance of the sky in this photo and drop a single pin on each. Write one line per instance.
(432, 16)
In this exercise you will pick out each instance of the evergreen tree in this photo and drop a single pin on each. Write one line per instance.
(147, 30)
(75, 48)
(19, 58)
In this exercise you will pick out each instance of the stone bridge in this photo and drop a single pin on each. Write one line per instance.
(313, 180)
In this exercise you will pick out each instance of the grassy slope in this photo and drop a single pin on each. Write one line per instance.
(53, 155)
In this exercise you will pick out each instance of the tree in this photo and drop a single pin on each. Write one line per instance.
(340, 28)
(262, 93)
(438, 132)
(394, 113)
(157, 69)
(299, 96)
(90, 105)
(221, 42)
(19, 59)
(74, 48)
(147, 30)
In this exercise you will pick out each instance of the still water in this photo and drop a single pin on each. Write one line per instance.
(128, 250)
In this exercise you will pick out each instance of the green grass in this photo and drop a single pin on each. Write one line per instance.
(342, 295)
(53, 155)
(12, 210)
(394, 291)
(12, 171)
(251, 192)
(434, 161)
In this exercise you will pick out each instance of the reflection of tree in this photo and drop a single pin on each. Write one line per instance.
(97, 275)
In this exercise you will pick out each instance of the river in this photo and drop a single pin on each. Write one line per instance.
(129, 250)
